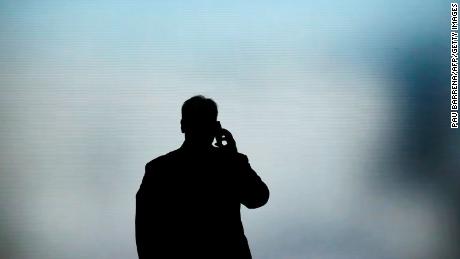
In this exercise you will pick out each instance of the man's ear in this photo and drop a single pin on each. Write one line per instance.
(182, 126)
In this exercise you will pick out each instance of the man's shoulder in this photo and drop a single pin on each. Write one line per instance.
(232, 156)
(162, 160)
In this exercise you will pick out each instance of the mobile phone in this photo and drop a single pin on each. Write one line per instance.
(219, 134)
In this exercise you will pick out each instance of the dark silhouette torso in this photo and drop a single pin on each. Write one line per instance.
(188, 205)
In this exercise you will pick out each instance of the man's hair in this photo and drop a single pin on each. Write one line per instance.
(198, 108)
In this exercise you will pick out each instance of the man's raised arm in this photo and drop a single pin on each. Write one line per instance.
(253, 192)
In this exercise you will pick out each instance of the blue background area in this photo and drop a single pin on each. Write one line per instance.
(341, 106)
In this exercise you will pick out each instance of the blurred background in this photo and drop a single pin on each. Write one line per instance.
(341, 106)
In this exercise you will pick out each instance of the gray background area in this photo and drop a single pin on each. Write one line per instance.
(341, 106)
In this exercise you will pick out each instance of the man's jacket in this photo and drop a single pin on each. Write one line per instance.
(188, 205)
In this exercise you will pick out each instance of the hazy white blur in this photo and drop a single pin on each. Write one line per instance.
(341, 106)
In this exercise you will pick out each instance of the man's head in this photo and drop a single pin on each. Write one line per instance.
(199, 120)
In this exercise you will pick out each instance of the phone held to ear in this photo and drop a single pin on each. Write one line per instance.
(224, 139)
(219, 135)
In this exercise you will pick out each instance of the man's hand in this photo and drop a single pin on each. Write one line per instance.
(230, 145)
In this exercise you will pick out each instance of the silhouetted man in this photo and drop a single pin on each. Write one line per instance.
(188, 205)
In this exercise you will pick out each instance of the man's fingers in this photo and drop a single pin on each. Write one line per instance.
(230, 141)
(227, 135)
(226, 132)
